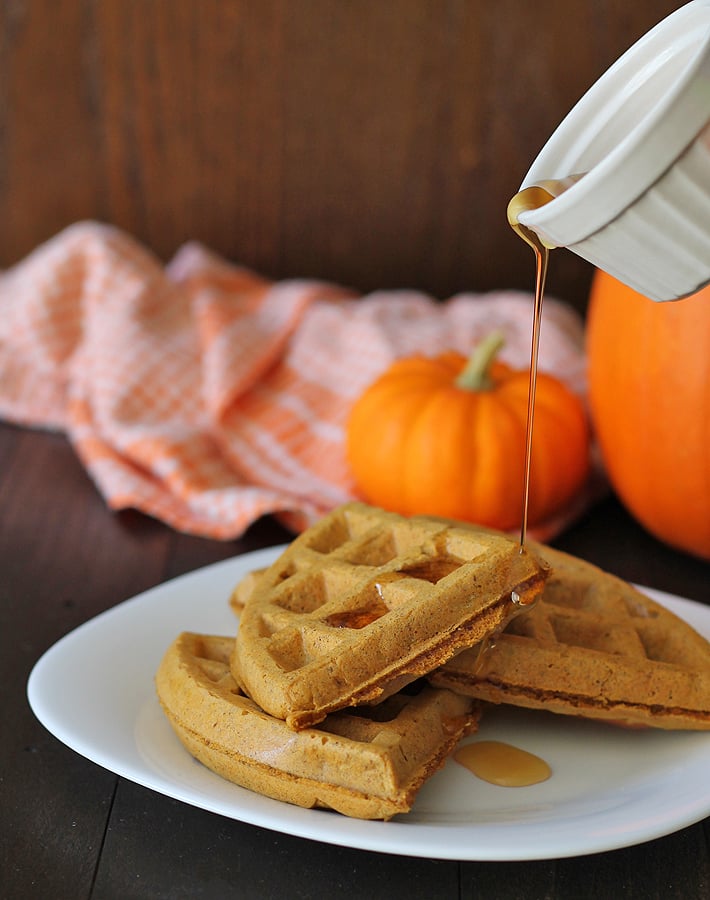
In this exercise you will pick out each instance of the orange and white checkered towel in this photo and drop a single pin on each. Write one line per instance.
(205, 395)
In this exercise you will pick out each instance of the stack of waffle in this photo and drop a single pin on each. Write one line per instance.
(370, 646)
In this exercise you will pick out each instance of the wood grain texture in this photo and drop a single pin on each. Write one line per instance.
(375, 144)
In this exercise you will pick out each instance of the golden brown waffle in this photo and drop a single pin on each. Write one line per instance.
(368, 763)
(366, 601)
(243, 591)
(593, 646)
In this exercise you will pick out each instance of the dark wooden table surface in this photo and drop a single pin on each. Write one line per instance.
(69, 829)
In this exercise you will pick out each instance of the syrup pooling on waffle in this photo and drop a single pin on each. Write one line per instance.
(366, 601)
(593, 646)
(368, 763)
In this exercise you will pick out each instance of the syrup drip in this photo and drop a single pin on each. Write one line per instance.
(484, 648)
(488, 644)
(533, 198)
(502, 764)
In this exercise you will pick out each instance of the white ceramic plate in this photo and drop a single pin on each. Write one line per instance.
(610, 787)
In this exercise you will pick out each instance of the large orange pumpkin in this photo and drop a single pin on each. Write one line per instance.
(439, 436)
(649, 392)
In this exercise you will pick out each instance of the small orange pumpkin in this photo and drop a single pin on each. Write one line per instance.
(649, 394)
(438, 436)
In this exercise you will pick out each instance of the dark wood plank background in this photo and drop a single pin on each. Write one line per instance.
(373, 142)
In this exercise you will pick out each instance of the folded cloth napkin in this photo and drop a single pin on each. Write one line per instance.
(206, 395)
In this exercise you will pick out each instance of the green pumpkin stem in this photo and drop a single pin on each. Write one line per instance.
(475, 374)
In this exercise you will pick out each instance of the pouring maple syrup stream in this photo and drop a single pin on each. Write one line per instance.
(530, 198)
(494, 761)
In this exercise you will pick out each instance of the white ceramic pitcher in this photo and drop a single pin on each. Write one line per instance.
(640, 137)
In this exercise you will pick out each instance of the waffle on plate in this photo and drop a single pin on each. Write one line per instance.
(366, 601)
(368, 763)
(593, 646)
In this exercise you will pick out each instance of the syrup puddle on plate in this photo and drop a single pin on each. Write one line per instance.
(503, 764)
